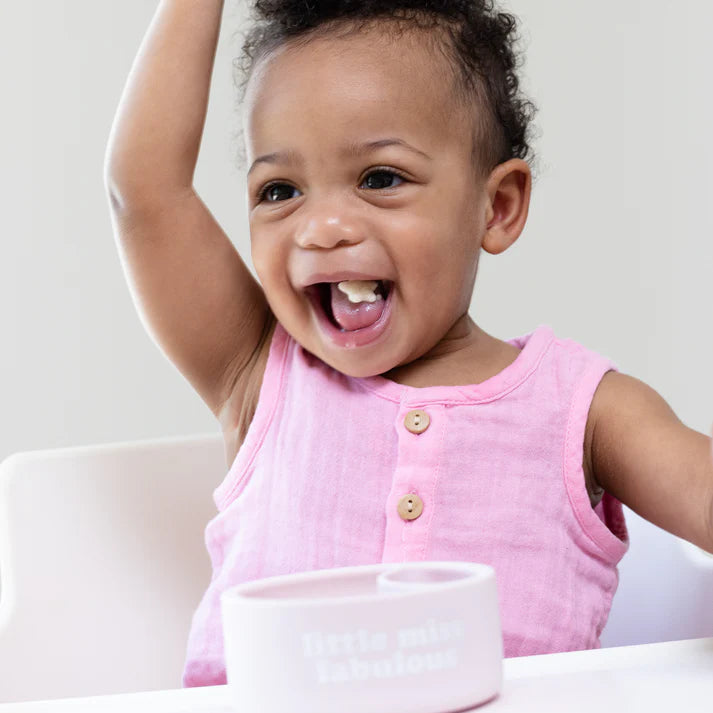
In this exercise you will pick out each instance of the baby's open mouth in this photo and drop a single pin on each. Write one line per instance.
(350, 305)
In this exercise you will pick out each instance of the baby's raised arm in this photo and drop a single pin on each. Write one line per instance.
(194, 293)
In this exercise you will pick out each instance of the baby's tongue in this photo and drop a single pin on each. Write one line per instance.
(354, 315)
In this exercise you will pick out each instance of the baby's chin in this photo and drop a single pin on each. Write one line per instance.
(393, 350)
(359, 365)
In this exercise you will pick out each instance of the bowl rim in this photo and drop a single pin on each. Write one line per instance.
(477, 575)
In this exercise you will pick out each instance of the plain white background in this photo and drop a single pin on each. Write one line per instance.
(617, 253)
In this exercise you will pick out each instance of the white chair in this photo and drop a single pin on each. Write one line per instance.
(665, 589)
(102, 563)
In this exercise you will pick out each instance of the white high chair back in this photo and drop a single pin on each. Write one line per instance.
(102, 563)
(665, 589)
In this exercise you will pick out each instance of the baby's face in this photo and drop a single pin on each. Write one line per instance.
(361, 169)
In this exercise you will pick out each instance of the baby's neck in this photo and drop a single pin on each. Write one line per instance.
(465, 355)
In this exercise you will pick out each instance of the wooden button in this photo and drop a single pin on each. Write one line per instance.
(410, 507)
(417, 421)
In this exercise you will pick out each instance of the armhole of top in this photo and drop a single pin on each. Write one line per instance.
(268, 400)
(604, 525)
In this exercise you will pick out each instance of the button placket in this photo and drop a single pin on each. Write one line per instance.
(408, 518)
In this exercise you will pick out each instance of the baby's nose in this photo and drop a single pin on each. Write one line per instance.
(328, 230)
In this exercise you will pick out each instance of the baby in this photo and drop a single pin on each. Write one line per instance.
(367, 418)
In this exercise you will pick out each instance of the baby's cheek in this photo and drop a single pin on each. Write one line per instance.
(260, 264)
(270, 270)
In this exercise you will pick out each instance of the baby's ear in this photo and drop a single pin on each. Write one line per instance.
(508, 189)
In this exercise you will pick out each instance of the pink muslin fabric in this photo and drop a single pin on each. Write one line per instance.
(327, 457)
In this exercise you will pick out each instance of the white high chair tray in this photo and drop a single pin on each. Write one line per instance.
(649, 678)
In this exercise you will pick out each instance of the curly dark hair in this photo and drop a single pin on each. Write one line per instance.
(478, 41)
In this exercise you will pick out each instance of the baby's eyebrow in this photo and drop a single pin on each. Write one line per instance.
(351, 149)
(356, 149)
(287, 157)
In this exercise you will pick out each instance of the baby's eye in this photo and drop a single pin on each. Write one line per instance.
(276, 192)
(381, 179)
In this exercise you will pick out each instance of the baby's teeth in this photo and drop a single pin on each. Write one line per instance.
(360, 290)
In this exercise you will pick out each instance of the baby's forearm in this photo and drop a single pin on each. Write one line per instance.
(156, 135)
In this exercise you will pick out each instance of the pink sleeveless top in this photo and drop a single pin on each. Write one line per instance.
(498, 471)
